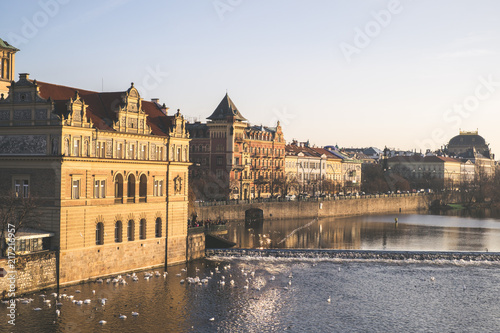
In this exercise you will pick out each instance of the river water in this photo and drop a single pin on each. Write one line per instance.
(300, 295)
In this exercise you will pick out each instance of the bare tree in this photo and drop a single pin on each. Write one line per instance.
(16, 213)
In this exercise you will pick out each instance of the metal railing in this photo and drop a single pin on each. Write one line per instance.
(310, 199)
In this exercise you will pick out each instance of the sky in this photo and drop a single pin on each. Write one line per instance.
(403, 74)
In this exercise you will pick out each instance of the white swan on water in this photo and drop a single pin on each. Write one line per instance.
(122, 317)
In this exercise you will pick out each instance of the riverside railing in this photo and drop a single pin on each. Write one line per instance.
(311, 199)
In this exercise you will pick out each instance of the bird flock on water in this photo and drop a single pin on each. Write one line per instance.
(221, 274)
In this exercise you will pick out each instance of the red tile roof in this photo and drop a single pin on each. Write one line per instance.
(101, 105)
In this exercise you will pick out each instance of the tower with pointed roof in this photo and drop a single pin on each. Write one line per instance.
(245, 159)
(7, 66)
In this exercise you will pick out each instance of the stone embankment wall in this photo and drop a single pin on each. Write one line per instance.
(33, 272)
(195, 246)
(312, 209)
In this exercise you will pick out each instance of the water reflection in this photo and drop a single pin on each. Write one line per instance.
(375, 232)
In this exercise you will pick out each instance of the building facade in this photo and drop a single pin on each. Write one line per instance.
(108, 171)
(240, 161)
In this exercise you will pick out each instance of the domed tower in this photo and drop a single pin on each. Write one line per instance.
(468, 141)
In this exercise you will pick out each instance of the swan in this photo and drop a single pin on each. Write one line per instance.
(87, 301)
(58, 312)
(37, 309)
(329, 300)
(212, 319)
(135, 313)
(102, 322)
(122, 317)
(433, 278)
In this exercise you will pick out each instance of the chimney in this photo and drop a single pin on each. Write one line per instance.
(24, 76)
(155, 100)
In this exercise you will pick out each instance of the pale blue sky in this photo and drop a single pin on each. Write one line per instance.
(282, 59)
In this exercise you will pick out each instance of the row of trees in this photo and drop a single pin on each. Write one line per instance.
(482, 188)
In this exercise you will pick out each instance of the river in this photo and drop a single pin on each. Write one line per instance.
(299, 295)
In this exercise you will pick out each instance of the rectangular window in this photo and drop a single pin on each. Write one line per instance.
(237, 161)
(219, 160)
(21, 188)
(158, 188)
(99, 188)
(101, 149)
(119, 150)
(76, 147)
(131, 152)
(75, 194)
(143, 152)
(159, 153)
(103, 189)
(22, 245)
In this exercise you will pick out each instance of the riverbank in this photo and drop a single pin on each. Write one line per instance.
(347, 206)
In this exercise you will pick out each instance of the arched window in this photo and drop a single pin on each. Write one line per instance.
(130, 230)
(131, 186)
(158, 227)
(118, 232)
(142, 229)
(99, 233)
(119, 186)
(143, 186)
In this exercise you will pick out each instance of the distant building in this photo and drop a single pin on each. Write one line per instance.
(243, 161)
(443, 171)
(470, 146)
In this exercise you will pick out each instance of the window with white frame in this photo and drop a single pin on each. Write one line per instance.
(119, 150)
(76, 147)
(99, 188)
(158, 188)
(100, 149)
(75, 189)
(22, 186)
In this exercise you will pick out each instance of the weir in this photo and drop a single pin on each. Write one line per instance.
(356, 254)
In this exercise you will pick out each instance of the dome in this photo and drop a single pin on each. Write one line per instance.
(467, 140)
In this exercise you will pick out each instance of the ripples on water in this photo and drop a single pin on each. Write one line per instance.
(367, 296)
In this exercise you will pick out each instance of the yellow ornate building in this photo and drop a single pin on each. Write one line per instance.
(108, 171)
